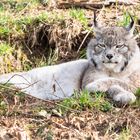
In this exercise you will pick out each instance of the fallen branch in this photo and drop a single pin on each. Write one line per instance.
(92, 6)
(95, 4)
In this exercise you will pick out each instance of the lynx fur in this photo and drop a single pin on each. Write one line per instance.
(114, 63)
(113, 66)
(51, 82)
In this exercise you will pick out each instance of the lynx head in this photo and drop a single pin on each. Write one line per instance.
(113, 47)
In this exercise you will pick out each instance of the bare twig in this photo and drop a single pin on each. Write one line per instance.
(19, 76)
(83, 41)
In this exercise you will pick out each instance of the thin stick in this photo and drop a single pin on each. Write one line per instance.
(83, 41)
(19, 76)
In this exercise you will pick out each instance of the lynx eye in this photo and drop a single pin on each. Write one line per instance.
(120, 46)
(99, 48)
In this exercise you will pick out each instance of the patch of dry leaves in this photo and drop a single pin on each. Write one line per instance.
(22, 121)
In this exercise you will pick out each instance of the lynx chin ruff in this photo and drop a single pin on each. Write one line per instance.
(113, 66)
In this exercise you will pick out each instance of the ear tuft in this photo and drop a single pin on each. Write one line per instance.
(96, 28)
(94, 19)
(131, 27)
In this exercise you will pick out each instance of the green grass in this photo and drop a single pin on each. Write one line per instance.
(3, 107)
(17, 5)
(79, 15)
(17, 25)
(85, 100)
(12, 22)
(126, 19)
(125, 134)
(137, 103)
(5, 48)
(18, 18)
(83, 54)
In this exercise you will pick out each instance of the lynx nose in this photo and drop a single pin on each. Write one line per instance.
(109, 56)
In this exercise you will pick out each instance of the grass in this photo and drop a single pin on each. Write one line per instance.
(126, 19)
(19, 28)
(79, 15)
(3, 107)
(85, 100)
(125, 134)
(5, 48)
(137, 103)
(83, 54)
(11, 24)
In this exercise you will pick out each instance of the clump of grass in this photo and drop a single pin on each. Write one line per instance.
(83, 54)
(17, 5)
(79, 15)
(125, 134)
(126, 19)
(14, 25)
(3, 107)
(4, 31)
(21, 96)
(101, 102)
(5, 48)
(12, 59)
(137, 103)
(138, 93)
(84, 100)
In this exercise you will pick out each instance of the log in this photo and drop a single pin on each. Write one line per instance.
(92, 6)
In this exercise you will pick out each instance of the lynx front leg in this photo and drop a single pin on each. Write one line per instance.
(105, 83)
(120, 95)
(117, 89)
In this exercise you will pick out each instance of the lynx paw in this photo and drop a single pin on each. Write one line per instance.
(120, 95)
(124, 97)
(94, 87)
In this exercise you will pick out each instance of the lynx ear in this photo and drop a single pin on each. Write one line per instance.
(96, 28)
(94, 20)
(131, 27)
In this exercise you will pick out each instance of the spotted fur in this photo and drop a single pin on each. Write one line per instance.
(114, 58)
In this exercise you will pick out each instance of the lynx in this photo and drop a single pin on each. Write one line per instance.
(113, 67)
(114, 63)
